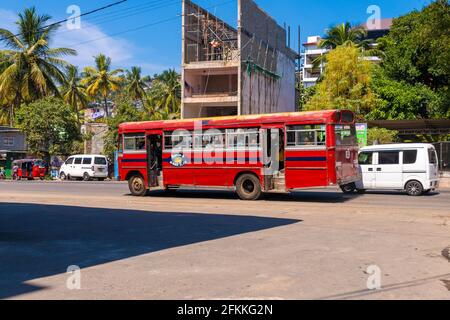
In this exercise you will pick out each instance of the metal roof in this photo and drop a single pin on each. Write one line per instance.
(421, 126)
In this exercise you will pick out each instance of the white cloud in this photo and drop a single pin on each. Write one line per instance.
(89, 41)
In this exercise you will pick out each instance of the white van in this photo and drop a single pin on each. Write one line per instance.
(87, 167)
(409, 167)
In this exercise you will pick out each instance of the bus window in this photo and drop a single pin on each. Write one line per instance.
(243, 138)
(210, 139)
(134, 142)
(345, 135)
(180, 139)
(309, 135)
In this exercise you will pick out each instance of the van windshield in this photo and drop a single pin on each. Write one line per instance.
(100, 161)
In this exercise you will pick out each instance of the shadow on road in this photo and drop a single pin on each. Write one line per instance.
(43, 240)
(305, 196)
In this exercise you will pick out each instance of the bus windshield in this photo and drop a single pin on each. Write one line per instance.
(345, 135)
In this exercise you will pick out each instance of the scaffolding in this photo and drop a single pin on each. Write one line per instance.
(208, 38)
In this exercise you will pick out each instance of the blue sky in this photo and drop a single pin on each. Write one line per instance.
(156, 46)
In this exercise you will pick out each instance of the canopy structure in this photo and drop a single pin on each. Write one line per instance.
(413, 127)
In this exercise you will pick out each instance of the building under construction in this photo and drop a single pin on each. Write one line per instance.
(235, 71)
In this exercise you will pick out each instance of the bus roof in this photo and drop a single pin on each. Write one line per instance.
(325, 116)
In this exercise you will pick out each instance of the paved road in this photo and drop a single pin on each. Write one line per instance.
(314, 244)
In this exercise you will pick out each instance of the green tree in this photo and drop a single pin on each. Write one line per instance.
(346, 83)
(101, 80)
(136, 84)
(381, 136)
(400, 100)
(417, 55)
(305, 95)
(126, 111)
(74, 93)
(50, 127)
(30, 69)
(165, 96)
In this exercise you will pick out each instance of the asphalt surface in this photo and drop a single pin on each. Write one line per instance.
(204, 244)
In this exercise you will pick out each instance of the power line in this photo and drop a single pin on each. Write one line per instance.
(94, 23)
(71, 18)
(144, 26)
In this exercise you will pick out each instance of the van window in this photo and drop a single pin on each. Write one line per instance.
(388, 157)
(100, 160)
(409, 156)
(69, 161)
(77, 161)
(87, 160)
(432, 156)
(365, 158)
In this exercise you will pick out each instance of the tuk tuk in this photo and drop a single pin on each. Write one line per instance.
(29, 169)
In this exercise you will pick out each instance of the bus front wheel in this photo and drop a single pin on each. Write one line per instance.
(136, 184)
(248, 187)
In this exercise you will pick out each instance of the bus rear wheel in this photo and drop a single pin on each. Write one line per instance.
(248, 187)
(348, 188)
(136, 184)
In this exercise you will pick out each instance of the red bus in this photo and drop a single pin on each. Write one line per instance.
(253, 154)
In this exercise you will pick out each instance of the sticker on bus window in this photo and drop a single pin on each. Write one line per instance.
(178, 160)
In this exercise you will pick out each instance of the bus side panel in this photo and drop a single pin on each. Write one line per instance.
(129, 162)
(306, 168)
(215, 169)
(176, 170)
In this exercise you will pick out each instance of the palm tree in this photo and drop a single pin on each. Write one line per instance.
(101, 80)
(74, 94)
(342, 35)
(165, 95)
(29, 68)
(136, 84)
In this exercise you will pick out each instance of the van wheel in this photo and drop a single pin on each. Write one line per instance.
(101, 179)
(348, 188)
(414, 188)
(86, 177)
(248, 187)
(136, 184)
(62, 176)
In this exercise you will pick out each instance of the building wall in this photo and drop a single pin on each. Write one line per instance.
(270, 87)
(264, 94)
(18, 139)
(261, 45)
(97, 142)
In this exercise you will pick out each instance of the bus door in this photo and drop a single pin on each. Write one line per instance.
(154, 158)
(274, 157)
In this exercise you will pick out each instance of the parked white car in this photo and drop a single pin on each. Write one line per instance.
(87, 167)
(410, 167)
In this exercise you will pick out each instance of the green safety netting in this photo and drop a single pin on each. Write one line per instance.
(253, 67)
